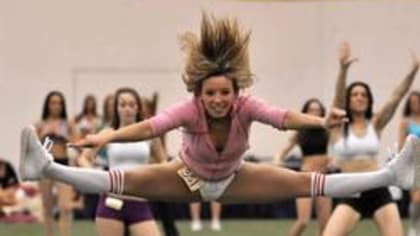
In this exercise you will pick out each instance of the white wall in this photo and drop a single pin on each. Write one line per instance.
(48, 44)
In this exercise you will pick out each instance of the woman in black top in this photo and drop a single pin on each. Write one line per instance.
(313, 144)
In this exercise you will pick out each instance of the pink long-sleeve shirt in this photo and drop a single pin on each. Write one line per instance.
(198, 151)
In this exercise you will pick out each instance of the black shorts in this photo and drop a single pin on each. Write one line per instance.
(368, 202)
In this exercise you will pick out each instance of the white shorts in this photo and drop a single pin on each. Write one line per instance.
(209, 190)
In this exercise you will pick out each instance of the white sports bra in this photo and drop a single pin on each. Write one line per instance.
(357, 148)
(126, 156)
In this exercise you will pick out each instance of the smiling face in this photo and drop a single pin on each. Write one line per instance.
(217, 95)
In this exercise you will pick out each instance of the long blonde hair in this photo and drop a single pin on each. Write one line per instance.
(221, 49)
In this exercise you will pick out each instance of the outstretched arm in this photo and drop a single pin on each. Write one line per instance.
(173, 117)
(297, 120)
(87, 156)
(340, 87)
(131, 133)
(257, 109)
(385, 114)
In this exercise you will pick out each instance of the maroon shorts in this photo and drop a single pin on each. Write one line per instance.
(132, 211)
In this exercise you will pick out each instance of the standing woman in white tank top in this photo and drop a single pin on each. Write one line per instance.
(355, 147)
(116, 214)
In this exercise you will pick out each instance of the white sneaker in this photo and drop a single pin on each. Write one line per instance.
(215, 225)
(33, 156)
(196, 226)
(405, 165)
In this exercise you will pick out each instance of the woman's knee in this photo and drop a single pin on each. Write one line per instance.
(145, 228)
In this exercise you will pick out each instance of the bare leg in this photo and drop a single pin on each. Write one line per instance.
(323, 212)
(342, 221)
(65, 194)
(216, 211)
(142, 182)
(146, 228)
(266, 183)
(109, 227)
(45, 185)
(304, 210)
(388, 220)
(195, 210)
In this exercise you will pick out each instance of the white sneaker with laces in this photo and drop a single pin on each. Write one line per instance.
(405, 166)
(34, 157)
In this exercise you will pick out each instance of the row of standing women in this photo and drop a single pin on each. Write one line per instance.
(125, 107)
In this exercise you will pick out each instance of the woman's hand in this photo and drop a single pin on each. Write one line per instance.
(415, 59)
(344, 54)
(335, 118)
(92, 141)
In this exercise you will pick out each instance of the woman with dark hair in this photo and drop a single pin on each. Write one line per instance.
(215, 124)
(115, 213)
(410, 124)
(313, 145)
(55, 125)
(108, 110)
(8, 185)
(356, 146)
(107, 117)
(88, 121)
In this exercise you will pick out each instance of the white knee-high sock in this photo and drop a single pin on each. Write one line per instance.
(347, 184)
(87, 180)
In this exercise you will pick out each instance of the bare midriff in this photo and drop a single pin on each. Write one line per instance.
(59, 151)
(361, 165)
(318, 163)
